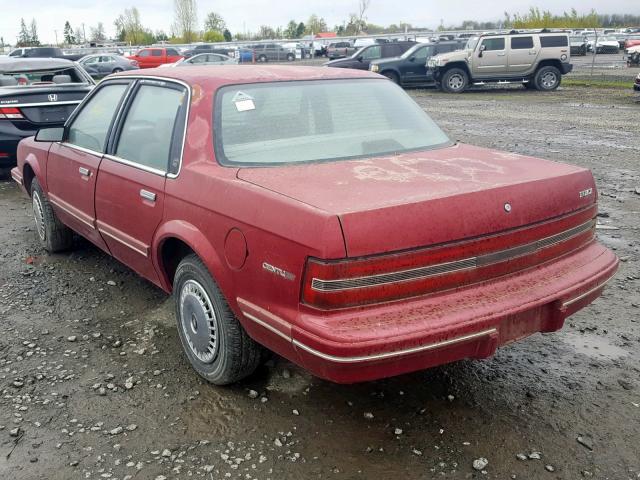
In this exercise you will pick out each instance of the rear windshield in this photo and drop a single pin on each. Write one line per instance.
(309, 121)
(45, 77)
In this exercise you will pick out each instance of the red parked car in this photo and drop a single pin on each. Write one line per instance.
(154, 57)
(319, 213)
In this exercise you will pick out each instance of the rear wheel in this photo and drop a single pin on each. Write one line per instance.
(547, 78)
(393, 76)
(213, 340)
(454, 80)
(117, 70)
(290, 57)
(54, 236)
(262, 58)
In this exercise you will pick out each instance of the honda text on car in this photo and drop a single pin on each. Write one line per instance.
(319, 213)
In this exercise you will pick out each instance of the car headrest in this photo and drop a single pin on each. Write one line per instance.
(61, 79)
(7, 81)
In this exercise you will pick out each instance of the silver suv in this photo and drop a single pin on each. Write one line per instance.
(537, 60)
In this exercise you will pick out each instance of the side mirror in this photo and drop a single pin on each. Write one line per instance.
(360, 58)
(412, 59)
(54, 134)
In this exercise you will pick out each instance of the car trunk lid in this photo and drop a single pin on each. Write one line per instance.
(43, 105)
(432, 197)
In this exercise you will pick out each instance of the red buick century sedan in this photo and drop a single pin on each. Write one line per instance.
(317, 213)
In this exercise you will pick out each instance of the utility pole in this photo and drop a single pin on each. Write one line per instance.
(84, 36)
(56, 34)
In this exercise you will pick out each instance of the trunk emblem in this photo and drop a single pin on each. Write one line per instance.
(507, 207)
(53, 97)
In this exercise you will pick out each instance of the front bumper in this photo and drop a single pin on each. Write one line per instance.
(385, 340)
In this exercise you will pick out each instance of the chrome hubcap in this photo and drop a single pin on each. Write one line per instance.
(549, 80)
(456, 82)
(38, 213)
(198, 321)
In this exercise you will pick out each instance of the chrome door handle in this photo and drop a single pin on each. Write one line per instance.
(147, 195)
(501, 54)
(84, 171)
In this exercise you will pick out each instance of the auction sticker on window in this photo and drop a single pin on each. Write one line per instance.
(243, 102)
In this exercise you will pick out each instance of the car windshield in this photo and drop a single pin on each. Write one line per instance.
(308, 121)
(43, 77)
(471, 43)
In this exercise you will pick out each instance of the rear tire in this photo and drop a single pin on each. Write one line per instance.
(53, 235)
(116, 70)
(262, 58)
(215, 343)
(454, 80)
(547, 78)
(291, 57)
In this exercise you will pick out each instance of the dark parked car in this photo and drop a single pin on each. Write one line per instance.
(636, 85)
(101, 65)
(198, 49)
(47, 52)
(35, 93)
(340, 50)
(410, 68)
(272, 52)
(363, 57)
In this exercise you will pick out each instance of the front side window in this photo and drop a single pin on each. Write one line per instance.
(150, 125)
(493, 44)
(91, 126)
(307, 121)
(372, 53)
(424, 53)
(144, 53)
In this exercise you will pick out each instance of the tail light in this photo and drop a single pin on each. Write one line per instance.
(333, 284)
(11, 113)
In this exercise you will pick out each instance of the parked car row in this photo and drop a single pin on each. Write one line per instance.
(318, 273)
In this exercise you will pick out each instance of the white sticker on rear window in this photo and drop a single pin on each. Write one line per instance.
(243, 102)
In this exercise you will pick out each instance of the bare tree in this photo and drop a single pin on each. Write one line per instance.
(185, 22)
(363, 6)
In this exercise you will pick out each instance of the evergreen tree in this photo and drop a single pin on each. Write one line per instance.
(33, 33)
(69, 37)
(24, 38)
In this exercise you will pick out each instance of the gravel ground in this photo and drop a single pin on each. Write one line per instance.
(94, 384)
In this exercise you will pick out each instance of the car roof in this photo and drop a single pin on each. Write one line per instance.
(9, 64)
(214, 77)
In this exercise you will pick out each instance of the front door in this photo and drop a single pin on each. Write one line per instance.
(414, 68)
(72, 165)
(130, 187)
(491, 57)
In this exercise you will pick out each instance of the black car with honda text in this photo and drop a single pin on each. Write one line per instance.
(36, 93)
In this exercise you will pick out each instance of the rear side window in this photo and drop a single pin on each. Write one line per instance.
(90, 128)
(549, 41)
(493, 43)
(521, 43)
(156, 53)
(171, 51)
(152, 122)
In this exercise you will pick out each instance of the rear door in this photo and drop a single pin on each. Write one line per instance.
(146, 147)
(72, 165)
(491, 57)
(522, 54)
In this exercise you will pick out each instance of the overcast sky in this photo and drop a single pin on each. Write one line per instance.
(51, 15)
